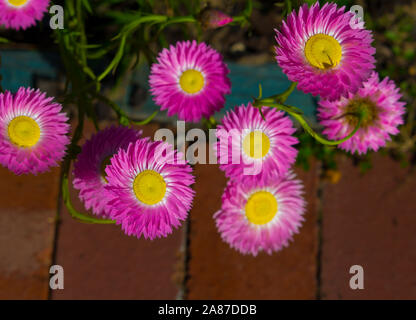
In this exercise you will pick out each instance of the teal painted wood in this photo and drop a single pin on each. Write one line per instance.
(23, 67)
(245, 80)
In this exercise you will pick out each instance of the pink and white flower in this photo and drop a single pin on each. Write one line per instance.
(149, 196)
(382, 110)
(261, 214)
(89, 169)
(33, 131)
(249, 145)
(190, 80)
(326, 54)
(21, 14)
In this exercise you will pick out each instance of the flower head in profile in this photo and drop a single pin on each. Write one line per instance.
(21, 14)
(89, 169)
(261, 214)
(149, 195)
(33, 131)
(189, 80)
(322, 50)
(381, 109)
(249, 145)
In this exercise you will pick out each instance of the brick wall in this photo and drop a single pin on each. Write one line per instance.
(367, 220)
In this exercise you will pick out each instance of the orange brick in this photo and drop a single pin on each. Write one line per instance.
(370, 220)
(218, 272)
(101, 262)
(27, 226)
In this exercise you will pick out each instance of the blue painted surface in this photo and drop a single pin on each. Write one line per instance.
(245, 80)
(21, 67)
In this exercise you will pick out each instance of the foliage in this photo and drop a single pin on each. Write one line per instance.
(126, 33)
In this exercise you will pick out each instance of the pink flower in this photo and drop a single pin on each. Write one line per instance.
(261, 214)
(33, 131)
(89, 169)
(319, 49)
(249, 145)
(382, 111)
(16, 14)
(149, 195)
(189, 80)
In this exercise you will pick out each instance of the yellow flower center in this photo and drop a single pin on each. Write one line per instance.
(149, 187)
(17, 3)
(256, 144)
(261, 207)
(192, 81)
(104, 164)
(323, 51)
(23, 131)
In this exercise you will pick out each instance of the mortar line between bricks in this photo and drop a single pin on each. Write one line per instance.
(183, 291)
(319, 223)
(185, 248)
(56, 231)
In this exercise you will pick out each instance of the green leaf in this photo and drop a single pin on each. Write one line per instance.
(87, 6)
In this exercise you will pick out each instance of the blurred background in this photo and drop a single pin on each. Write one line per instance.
(361, 210)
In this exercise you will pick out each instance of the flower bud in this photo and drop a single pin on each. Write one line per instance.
(213, 18)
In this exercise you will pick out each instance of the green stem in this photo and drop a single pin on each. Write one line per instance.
(132, 26)
(298, 115)
(239, 19)
(184, 19)
(283, 96)
(83, 36)
(74, 213)
(122, 116)
(145, 121)
(318, 137)
(277, 102)
(116, 59)
(64, 180)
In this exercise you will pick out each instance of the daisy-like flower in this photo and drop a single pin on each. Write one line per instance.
(89, 169)
(325, 50)
(261, 214)
(249, 145)
(189, 80)
(382, 113)
(33, 131)
(18, 14)
(148, 194)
